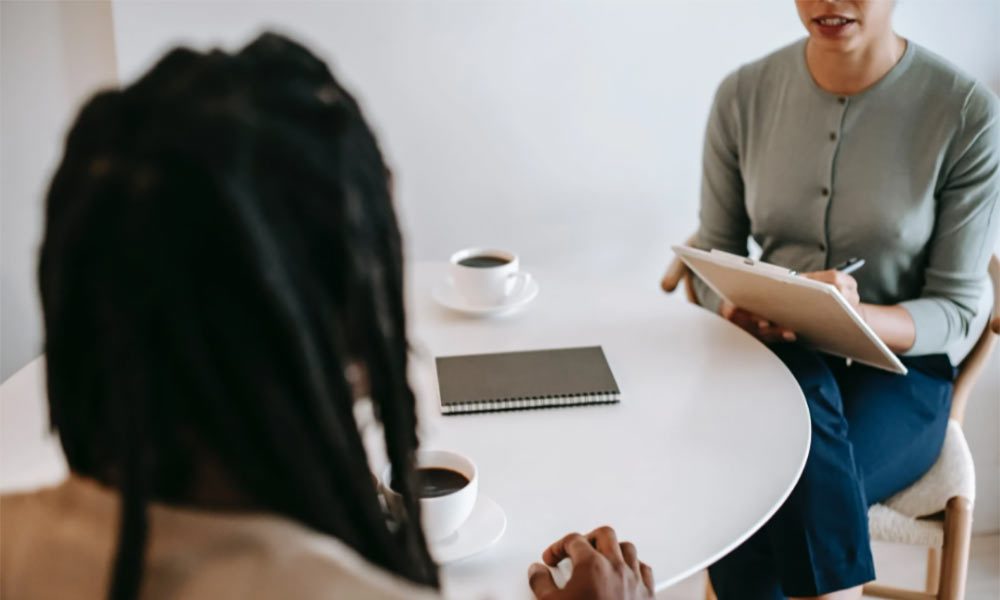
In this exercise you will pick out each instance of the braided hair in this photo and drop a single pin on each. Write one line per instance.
(220, 247)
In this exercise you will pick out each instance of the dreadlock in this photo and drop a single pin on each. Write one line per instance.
(220, 246)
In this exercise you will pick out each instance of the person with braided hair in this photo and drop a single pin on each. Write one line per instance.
(222, 281)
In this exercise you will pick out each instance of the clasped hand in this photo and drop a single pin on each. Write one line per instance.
(603, 568)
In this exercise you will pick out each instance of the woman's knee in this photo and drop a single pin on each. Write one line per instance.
(817, 381)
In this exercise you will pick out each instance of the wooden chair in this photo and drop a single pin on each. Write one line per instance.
(949, 487)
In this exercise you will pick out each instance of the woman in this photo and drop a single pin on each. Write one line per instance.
(853, 143)
(220, 254)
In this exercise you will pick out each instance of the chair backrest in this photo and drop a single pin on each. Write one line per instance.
(968, 372)
(974, 364)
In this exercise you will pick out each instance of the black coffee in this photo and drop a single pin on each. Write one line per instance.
(436, 481)
(483, 262)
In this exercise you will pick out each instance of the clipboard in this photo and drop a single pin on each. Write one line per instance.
(818, 314)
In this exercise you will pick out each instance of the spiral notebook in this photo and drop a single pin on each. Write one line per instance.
(525, 380)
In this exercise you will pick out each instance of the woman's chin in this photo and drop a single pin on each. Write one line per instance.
(833, 43)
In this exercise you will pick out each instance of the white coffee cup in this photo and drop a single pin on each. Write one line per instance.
(442, 515)
(493, 281)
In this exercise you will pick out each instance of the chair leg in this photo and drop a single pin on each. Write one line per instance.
(709, 590)
(933, 570)
(955, 553)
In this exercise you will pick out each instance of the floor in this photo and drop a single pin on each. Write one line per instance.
(898, 565)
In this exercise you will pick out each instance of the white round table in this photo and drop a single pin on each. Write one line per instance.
(709, 439)
(710, 436)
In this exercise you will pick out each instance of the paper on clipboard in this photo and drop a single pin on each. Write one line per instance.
(818, 314)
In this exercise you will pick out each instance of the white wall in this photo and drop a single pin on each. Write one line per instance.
(52, 55)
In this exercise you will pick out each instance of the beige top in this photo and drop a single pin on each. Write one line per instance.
(60, 542)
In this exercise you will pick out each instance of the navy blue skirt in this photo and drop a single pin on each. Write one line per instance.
(873, 434)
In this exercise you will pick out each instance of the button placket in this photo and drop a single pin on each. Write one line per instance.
(826, 191)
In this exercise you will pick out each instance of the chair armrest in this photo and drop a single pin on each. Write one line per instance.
(994, 270)
(676, 271)
(974, 364)
(970, 370)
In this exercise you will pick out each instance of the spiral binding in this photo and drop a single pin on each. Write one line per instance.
(531, 403)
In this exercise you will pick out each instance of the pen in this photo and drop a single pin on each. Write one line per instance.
(850, 265)
(847, 267)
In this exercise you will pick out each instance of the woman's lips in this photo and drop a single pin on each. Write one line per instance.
(834, 25)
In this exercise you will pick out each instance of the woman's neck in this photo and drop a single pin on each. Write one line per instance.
(854, 71)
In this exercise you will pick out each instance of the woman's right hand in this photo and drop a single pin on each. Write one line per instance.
(756, 325)
(602, 569)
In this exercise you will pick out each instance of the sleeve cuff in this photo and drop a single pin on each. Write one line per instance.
(930, 326)
(707, 298)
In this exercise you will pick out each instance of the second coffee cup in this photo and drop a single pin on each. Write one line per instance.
(487, 277)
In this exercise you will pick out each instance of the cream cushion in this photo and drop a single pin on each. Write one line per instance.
(898, 518)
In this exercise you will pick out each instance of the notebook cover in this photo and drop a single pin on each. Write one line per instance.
(531, 379)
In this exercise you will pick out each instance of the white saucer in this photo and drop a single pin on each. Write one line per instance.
(484, 528)
(446, 295)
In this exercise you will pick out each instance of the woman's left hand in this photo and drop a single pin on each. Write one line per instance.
(847, 285)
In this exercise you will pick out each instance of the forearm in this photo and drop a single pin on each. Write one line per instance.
(893, 324)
